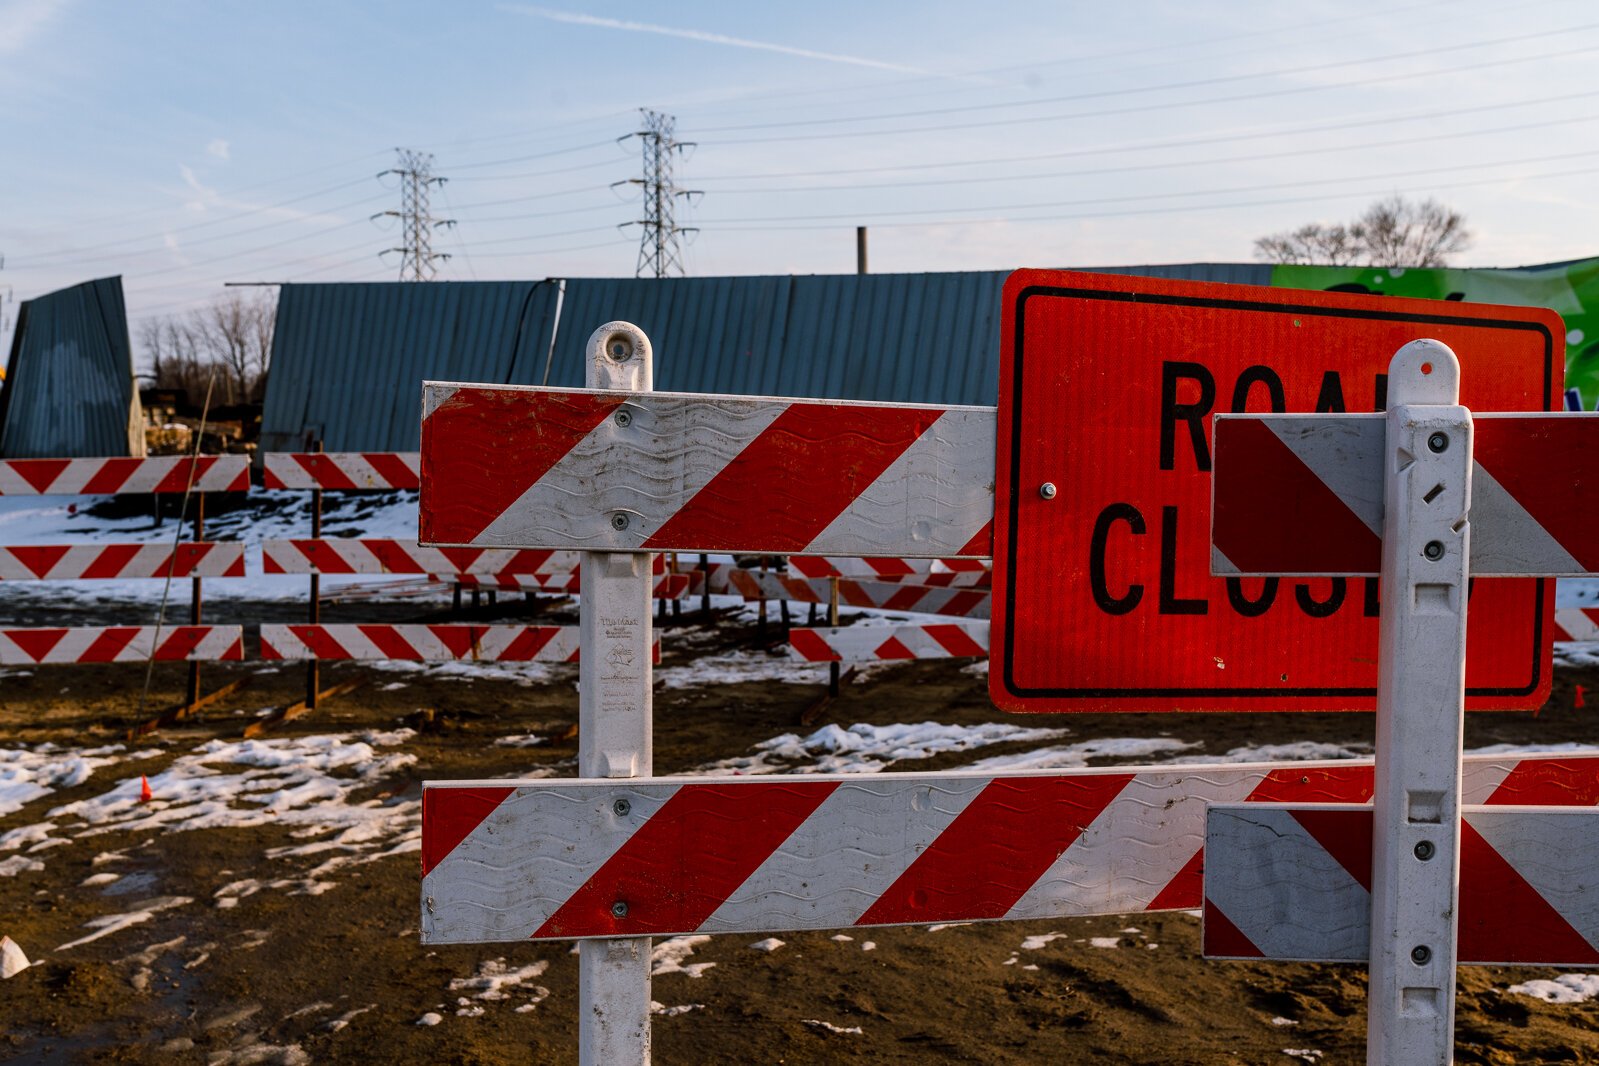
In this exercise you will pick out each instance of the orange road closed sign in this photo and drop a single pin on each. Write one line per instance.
(1103, 598)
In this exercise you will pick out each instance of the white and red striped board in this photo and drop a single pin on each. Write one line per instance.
(860, 644)
(423, 643)
(880, 595)
(1300, 495)
(357, 555)
(341, 471)
(1577, 623)
(120, 644)
(86, 562)
(110, 477)
(548, 859)
(518, 467)
(946, 572)
(1294, 882)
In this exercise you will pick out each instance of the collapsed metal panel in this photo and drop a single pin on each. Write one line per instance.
(69, 390)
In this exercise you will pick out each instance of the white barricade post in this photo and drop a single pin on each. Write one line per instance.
(1452, 496)
(621, 474)
(615, 701)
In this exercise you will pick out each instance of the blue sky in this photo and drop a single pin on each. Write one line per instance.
(185, 144)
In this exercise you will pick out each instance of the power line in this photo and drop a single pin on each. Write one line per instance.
(415, 170)
(1193, 83)
(1170, 104)
(660, 254)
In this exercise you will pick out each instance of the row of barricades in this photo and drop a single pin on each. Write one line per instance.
(948, 587)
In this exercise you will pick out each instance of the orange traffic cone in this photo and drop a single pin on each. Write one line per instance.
(1579, 701)
(145, 795)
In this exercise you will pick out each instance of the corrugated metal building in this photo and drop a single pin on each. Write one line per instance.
(69, 390)
(348, 360)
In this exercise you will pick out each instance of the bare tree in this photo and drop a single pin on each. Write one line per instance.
(230, 338)
(1390, 233)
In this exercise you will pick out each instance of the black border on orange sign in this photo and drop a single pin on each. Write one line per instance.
(1009, 493)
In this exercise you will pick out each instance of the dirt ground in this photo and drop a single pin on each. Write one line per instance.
(339, 976)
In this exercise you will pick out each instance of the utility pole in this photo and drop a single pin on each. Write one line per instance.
(415, 170)
(660, 254)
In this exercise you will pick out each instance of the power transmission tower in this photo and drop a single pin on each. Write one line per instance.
(660, 254)
(415, 170)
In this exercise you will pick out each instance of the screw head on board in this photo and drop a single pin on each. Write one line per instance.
(619, 909)
(1438, 442)
(1434, 550)
(621, 807)
(1425, 850)
(619, 522)
(1420, 954)
(619, 347)
(624, 418)
(1047, 490)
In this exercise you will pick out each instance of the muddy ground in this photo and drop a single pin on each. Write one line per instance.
(339, 976)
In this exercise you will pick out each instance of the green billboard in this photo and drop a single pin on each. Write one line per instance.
(1571, 289)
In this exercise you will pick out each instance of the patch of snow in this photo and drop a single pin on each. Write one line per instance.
(494, 977)
(868, 945)
(866, 748)
(113, 923)
(1570, 747)
(1308, 1054)
(770, 944)
(19, 864)
(27, 774)
(1301, 751)
(946, 925)
(1280, 1020)
(528, 740)
(1104, 942)
(1036, 943)
(831, 1028)
(671, 1012)
(306, 783)
(737, 668)
(842, 937)
(99, 879)
(1567, 988)
(667, 956)
(430, 1018)
(347, 1017)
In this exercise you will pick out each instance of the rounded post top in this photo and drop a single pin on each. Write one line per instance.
(1424, 372)
(620, 357)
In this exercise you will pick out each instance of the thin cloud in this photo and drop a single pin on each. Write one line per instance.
(217, 148)
(577, 19)
(21, 20)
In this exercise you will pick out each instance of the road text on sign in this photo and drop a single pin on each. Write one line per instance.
(1103, 593)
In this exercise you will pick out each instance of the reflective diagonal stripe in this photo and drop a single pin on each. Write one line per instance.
(353, 555)
(341, 471)
(1577, 623)
(108, 477)
(872, 643)
(61, 562)
(596, 470)
(120, 644)
(1302, 495)
(882, 595)
(419, 642)
(554, 858)
(1294, 883)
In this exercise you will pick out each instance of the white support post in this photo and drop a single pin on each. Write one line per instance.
(614, 720)
(1420, 700)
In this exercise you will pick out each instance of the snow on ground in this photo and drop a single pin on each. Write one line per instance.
(1567, 988)
(269, 516)
(667, 956)
(304, 782)
(865, 748)
(26, 774)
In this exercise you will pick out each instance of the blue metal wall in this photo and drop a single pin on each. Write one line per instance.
(69, 390)
(348, 360)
